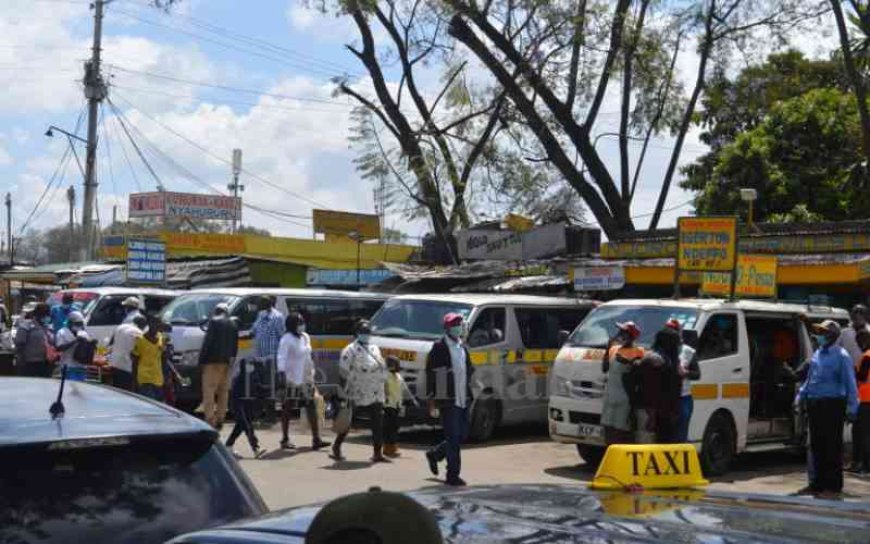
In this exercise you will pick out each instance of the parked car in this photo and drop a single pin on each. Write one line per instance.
(115, 467)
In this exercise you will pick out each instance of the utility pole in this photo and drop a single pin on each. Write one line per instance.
(95, 92)
(9, 229)
(234, 187)
(71, 198)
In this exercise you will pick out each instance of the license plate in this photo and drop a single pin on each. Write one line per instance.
(589, 431)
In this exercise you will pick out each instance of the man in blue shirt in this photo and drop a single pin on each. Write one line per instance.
(267, 332)
(60, 312)
(831, 395)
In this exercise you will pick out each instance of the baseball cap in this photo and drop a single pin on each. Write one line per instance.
(221, 307)
(673, 323)
(827, 326)
(131, 302)
(452, 319)
(76, 317)
(374, 516)
(630, 327)
(28, 308)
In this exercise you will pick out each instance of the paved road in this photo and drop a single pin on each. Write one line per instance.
(522, 455)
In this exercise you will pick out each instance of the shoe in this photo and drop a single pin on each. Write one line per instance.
(287, 445)
(336, 454)
(433, 463)
(236, 454)
(259, 452)
(392, 453)
(456, 482)
(380, 459)
(319, 444)
(808, 490)
(829, 495)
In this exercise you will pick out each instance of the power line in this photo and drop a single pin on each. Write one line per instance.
(120, 118)
(221, 159)
(127, 158)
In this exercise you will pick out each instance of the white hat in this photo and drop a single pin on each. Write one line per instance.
(131, 302)
(76, 317)
(222, 307)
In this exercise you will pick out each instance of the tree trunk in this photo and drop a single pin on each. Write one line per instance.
(854, 76)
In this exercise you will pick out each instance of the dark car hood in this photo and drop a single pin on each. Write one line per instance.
(554, 513)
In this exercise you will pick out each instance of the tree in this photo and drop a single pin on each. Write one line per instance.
(861, 18)
(803, 158)
(732, 106)
(569, 53)
(254, 231)
(394, 236)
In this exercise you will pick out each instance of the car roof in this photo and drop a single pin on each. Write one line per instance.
(712, 304)
(480, 299)
(91, 411)
(125, 291)
(278, 292)
(572, 513)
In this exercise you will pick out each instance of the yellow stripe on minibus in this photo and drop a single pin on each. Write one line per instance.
(533, 356)
(480, 357)
(550, 355)
(705, 391)
(735, 391)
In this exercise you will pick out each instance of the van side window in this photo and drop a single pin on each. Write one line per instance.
(108, 312)
(246, 312)
(324, 316)
(154, 304)
(539, 327)
(719, 338)
(489, 328)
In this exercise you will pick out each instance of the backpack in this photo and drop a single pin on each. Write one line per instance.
(84, 352)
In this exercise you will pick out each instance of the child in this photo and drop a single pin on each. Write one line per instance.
(147, 356)
(395, 387)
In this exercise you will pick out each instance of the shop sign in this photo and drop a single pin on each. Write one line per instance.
(190, 205)
(146, 261)
(322, 276)
(599, 278)
(707, 243)
(505, 245)
(756, 278)
(205, 242)
(366, 226)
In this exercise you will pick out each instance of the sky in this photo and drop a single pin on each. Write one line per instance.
(191, 85)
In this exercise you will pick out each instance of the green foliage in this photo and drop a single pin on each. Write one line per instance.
(803, 158)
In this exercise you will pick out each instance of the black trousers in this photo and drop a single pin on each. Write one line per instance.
(35, 369)
(861, 438)
(122, 379)
(242, 413)
(827, 417)
(375, 413)
(391, 425)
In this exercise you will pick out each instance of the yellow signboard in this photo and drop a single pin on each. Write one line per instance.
(756, 277)
(707, 243)
(649, 466)
(518, 222)
(344, 223)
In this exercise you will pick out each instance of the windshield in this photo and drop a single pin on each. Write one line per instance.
(85, 301)
(600, 325)
(415, 318)
(194, 309)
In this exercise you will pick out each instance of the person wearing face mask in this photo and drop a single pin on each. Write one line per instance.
(619, 361)
(448, 389)
(831, 395)
(296, 371)
(68, 341)
(31, 343)
(219, 350)
(364, 377)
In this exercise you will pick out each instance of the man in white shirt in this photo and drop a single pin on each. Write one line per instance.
(133, 307)
(448, 378)
(66, 341)
(847, 338)
(122, 345)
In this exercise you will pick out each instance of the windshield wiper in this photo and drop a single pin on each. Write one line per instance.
(392, 333)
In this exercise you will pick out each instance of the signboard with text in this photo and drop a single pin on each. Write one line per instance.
(146, 261)
(190, 205)
(507, 245)
(599, 278)
(707, 243)
(320, 276)
(756, 278)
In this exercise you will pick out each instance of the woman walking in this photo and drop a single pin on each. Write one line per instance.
(364, 376)
(831, 395)
(296, 374)
(618, 364)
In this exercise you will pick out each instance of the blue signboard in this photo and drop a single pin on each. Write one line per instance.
(146, 261)
(320, 276)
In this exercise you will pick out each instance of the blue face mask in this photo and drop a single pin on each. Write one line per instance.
(821, 339)
(363, 338)
(455, 331)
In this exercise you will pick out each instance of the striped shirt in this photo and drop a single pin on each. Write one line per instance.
(268, 330)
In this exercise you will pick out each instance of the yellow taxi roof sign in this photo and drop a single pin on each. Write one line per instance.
(650, 466)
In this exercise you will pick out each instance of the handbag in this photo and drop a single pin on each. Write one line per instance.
(342, 420)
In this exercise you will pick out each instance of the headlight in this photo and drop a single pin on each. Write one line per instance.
(189, 358)
(560, 386)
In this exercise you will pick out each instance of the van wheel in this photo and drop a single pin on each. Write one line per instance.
(592, 455)
(719, 445)
(484, 420)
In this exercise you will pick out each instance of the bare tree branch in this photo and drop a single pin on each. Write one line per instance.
(615, 44)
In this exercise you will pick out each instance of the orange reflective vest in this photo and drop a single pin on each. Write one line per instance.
(863, 386)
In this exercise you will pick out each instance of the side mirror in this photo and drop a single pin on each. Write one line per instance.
(690, 338)
(563, 336)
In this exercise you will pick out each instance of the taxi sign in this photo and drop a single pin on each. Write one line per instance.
(650, 466)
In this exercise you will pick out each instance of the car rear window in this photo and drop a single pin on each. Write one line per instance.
(137, 492)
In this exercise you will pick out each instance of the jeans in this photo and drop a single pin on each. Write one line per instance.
(687, 405)
(827, 417)
(242, 412)
(391, 426)
(454, 420)
(215, 392)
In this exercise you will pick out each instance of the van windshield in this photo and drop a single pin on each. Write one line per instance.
(600, 325)
(194, 309)
(415, 318)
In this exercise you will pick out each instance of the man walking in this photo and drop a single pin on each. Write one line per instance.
(123, 342)
(31, 342)
(849, 342)
(219, 350)
(267, 332)
(448, 388)
(132, 308)
(831, 394)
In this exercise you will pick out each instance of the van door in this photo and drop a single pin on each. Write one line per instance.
(107, 315)
(245, 312)
(723, 357)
